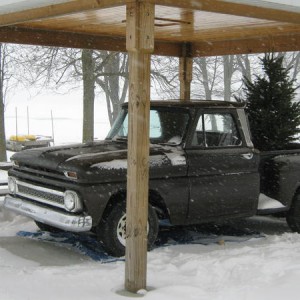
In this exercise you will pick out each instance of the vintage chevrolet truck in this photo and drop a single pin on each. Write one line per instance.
(203, 168)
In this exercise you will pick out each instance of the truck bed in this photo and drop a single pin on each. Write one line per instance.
(279, 173)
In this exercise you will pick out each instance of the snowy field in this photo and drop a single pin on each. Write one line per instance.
(266, 266)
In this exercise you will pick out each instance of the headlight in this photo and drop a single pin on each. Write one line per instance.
(15, 163)
(12, 185)
(72, 201)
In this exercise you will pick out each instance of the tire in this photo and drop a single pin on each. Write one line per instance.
(46, 227)
(293, 215)
(111, 229)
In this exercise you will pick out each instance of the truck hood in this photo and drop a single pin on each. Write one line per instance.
(102, 161)
(53, 158)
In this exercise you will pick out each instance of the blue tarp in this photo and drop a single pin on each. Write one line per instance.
(87, 244)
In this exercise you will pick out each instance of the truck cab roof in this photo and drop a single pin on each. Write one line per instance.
(194, 103)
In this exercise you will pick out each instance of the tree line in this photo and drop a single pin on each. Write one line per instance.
(57, 69)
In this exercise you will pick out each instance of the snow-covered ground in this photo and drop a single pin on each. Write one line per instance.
(259, 268)
(265, 267)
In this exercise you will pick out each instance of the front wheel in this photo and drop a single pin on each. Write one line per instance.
(111, 230)
(293, 215)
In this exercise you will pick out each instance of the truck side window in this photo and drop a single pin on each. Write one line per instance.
(155, 124)
(216, 130)
(198, 136)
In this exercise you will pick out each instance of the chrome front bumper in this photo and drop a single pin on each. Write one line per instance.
(64, 221)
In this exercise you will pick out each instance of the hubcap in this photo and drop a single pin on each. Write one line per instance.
(121, 230)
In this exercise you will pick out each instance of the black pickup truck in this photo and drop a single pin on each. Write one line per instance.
(203, 168)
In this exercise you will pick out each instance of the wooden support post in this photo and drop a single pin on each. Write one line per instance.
(185, 72)
(139, 43)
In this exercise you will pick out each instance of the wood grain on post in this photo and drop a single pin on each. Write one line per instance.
(139, 43)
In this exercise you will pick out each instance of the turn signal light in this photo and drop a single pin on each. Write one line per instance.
(71, 174)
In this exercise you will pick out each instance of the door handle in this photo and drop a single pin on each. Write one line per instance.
(247, 155)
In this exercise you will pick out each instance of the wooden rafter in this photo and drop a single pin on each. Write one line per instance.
(235, 9)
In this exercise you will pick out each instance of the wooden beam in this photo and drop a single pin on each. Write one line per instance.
(185, 72)
(139, 43)
(236, 33)
(56, 10)
(167, 48)
(27, 36)
(237, 9)
(263, 44)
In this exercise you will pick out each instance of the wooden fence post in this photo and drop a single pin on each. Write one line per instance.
(139, 44)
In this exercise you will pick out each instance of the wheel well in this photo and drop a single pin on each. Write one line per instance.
(297, 192)
(291, 204)
(117, 197)
(155, 200)
(158, 203)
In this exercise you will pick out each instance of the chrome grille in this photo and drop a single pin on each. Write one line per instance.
(32, 192)
(40, 194)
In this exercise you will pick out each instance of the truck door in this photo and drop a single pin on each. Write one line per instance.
(223, 171)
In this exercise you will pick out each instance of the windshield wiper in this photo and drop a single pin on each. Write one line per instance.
(167, 144)
(120, 139)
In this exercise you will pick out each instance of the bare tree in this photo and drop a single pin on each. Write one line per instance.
(292, 61)
(213, 77)
(202, 75)
(88, 78)
(207, 77)
(7, 83)
(228, 65)
(112, 77)
(58, 68)
(3, 156)
(249, 67)
(165, 77)
(244, 64)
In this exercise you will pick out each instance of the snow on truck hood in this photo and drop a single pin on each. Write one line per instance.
(159, 155)
(176, 158)
(101, 155)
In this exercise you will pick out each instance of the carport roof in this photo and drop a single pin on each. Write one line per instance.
(210, 27)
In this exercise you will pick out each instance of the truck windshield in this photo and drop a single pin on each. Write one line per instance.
(166, 127)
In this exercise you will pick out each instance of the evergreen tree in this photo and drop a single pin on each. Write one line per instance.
(273, 116)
